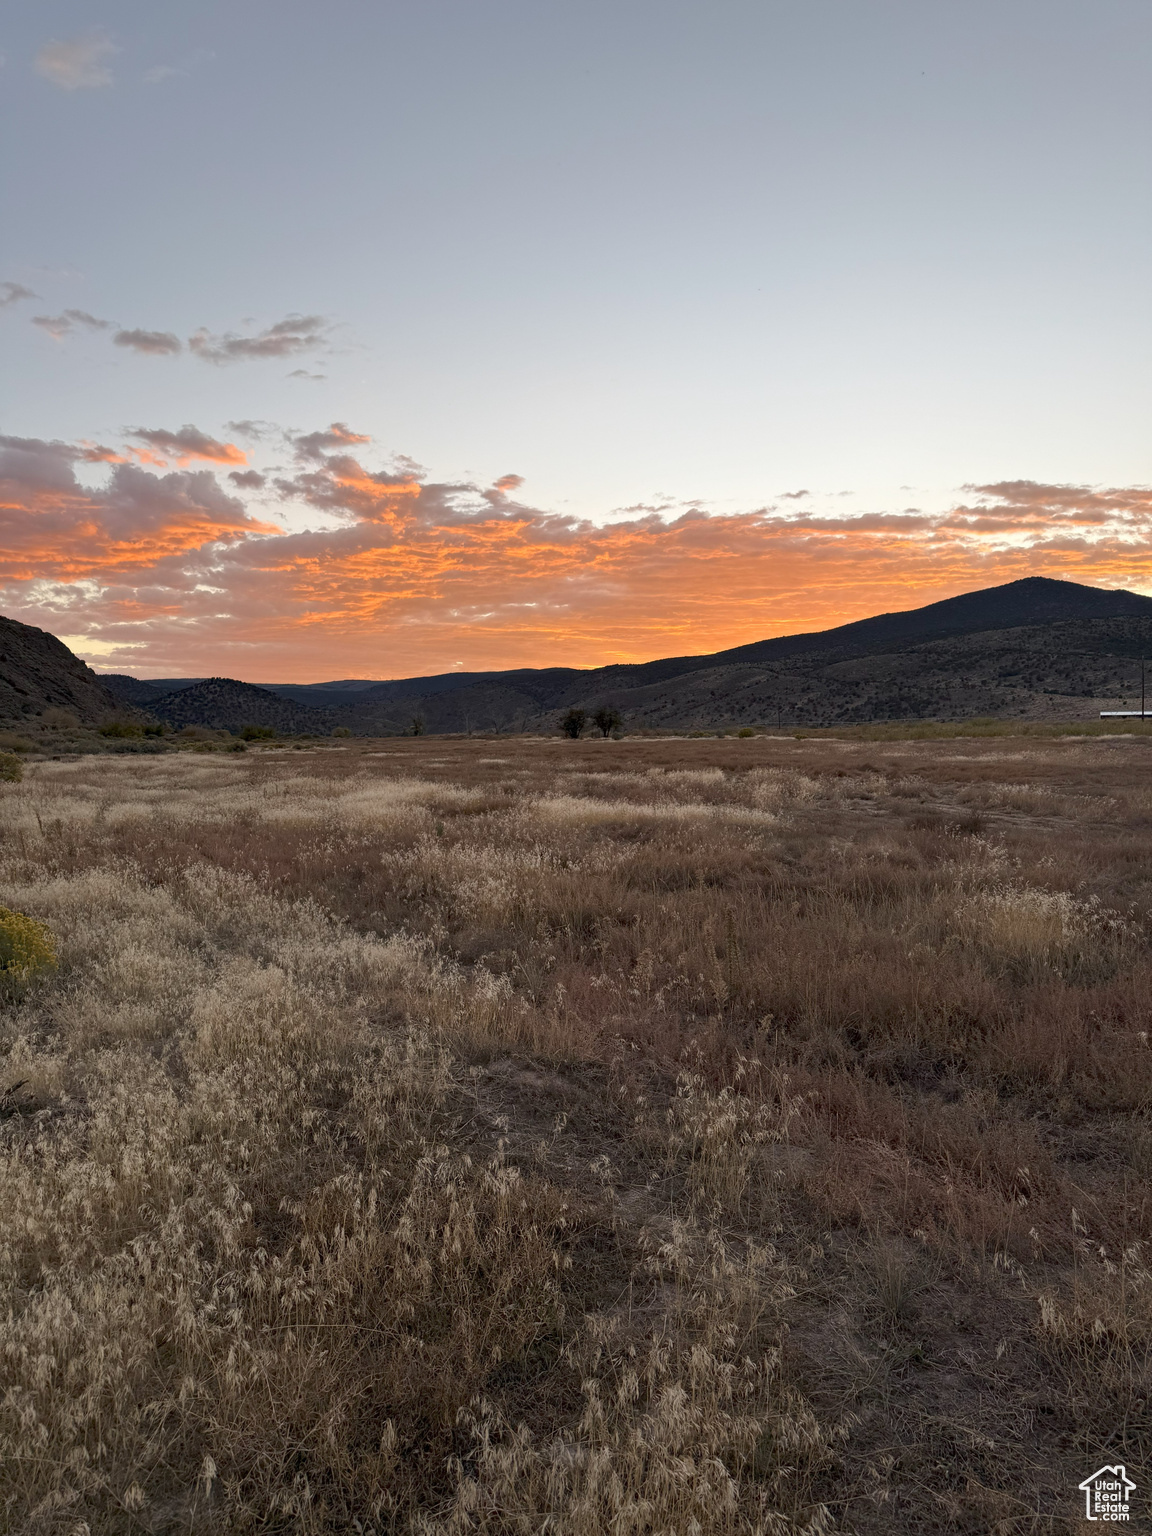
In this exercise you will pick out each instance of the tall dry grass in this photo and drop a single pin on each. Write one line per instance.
(719, 1136)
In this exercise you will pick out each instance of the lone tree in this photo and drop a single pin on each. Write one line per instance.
(573, 723)
(417, 725)
(606, 720)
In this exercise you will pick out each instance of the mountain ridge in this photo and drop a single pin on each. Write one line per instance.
(1032, 647)
(1049, 599)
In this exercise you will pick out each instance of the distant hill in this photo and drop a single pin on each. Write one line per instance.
(39, 672)
(224, 704)
(136, 690)
(1035, 649)
(1032, 601)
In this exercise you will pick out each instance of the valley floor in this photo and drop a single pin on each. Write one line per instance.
(642, 1136)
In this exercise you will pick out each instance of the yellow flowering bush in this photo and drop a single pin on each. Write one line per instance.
(27, 950)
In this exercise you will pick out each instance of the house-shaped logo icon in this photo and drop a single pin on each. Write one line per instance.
(1107, 1494)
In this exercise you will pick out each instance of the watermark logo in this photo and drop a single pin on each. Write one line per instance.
(1108, 1493)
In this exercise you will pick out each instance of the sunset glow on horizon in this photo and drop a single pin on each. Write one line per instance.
(710, 324)
(381, 572)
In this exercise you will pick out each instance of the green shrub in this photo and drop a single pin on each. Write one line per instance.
(121, 728)
(11, 768)
(155, 729)
(342, 730)
(27, 950)
(258, 733)
(745, 731)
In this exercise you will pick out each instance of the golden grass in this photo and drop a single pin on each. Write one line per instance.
(644, 1136)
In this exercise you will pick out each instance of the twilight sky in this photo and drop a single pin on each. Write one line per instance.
(373, 339)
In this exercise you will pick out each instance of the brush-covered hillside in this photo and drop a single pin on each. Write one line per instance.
(224, 704)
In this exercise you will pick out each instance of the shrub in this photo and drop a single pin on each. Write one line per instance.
(121, 728)
(27, 950)
(59, 720)
(417, 725)
(342, 730)
(606, 720)
(572, 723)
(745, 731)
(155, 729)
(258, 733)
(11, 768)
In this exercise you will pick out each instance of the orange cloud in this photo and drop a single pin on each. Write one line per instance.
(53, 529)
(184, 447)
(418, 576)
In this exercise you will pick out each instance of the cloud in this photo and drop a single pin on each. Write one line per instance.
(795, 495)
(248, 428)
(187, 445)
(298, 333)
(53, 529)
(509, 482)
(78, 62)
(153, 343)
(59, 326)
(302, 373)
(416, 573)
(314, 445)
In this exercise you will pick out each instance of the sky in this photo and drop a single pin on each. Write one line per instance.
(374, 339)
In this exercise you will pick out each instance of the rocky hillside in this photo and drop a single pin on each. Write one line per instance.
(39, 672)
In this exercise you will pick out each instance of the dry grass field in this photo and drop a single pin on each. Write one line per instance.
(686, 1136)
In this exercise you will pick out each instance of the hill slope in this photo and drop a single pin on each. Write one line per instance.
(224, 704)
(1035, 648)
(39, 672)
